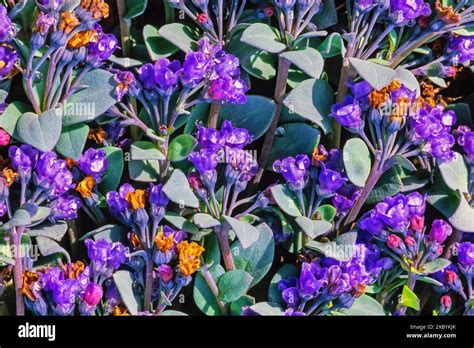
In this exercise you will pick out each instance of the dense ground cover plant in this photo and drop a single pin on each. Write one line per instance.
(234, 157)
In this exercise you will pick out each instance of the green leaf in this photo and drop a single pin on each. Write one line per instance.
(11, 115)
(257, 63)
(171, 312)
(145, 150)
(463, 113)
(256, 115)
(378, 76)
(293, 139)
(96, 98)
(246, 233)
(202, 294)
(285, 199)
(53, 231)
(327, 16)
(111, 233)
(40, 215)
(308, 60)
(455, 173)
(285, 272)
(333, 45)
(21, 217)
(313, 228)
(327, 212)
(388, 185)
(113, 173)
(144, 170)
(443, 198)
(180, 147)
(236, 307)
(341, 249)
(179, 35)
(72, 140)
(402, 162)
(408, 79)
(263, 37)
(312, 100)
(178, 191)
(409, 299)
(435, 265)
(233, 284)
(257, 259)
(156, 46)
(357, 162)
(40, 131)
(126, 62)
(205, 220)
(48, 246)
(212, 254)
(124, 282)
(267, 308)
(463, 217)
(135, 8)
(180, 222)
(364, 305)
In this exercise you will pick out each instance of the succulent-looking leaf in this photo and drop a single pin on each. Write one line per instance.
(341, 249)
(267, 308)
(378, 76)
(233, 284)
(364, 305)
(40, 131)
(246, 233)
(436, 265)
(463, 218)
(409, 299)
(308, 60)
(313, 228)
(263, 37)
(357, 162)
(178, 191)
(456, 173)
(124, 282)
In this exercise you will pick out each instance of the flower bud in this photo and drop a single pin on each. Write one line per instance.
(445, 304)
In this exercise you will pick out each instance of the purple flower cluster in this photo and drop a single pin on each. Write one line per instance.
(210, 64)
(224, 146)
(93, 163)
(6, 26)
(106, 257)
(8, 56)
(431, 128)
(101, 49)
(465, 138)
(51, 178)
(462, 47)
(404, 11)
(326, 280)
(61, 289)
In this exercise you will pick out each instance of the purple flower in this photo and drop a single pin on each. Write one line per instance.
(440, 230)
(463, 47)
(101, 49)
(210, 139)
(118, 205)
(6, 27)
(440, 147)
(364, 5)
(344, 198)
(52, 174)
(329, 181)
(466, 140)
(93, 163)
(294, 170)
(226, 64)
(242, 165)
(466, 254)
(205, 161)
(44, 22)
(227, 90)
(23, 158)
(416, 203)
(106, 257)
(167, 75)
(50, 5)
(125, 81)
(235, 137)
(403, 11)
(165, 273)
(348, 113)
(195, 66)
(65, 207)
(64, 295)
(312, 279)
(156, 196)
(146, 76)
(7, 59)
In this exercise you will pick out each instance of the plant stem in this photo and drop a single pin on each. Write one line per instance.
(148, 283)
(411, 285)
(223, 237)
(374, 176)
(280, 88)
(213, 286)
(124, 28)
(214, 115)
(18, 270)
